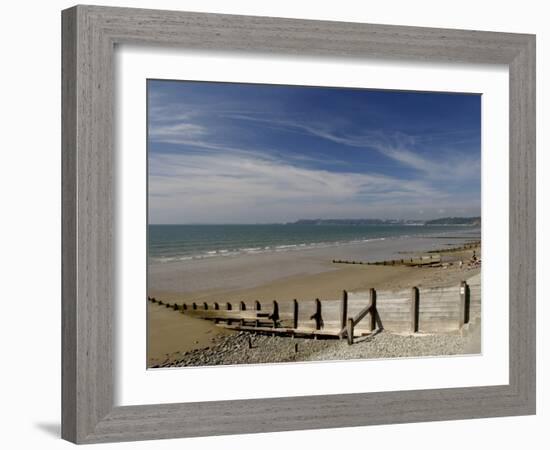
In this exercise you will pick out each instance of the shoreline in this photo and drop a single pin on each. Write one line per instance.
(238, 272)
(268, 247)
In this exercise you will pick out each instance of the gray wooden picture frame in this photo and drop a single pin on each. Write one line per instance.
(89, 36)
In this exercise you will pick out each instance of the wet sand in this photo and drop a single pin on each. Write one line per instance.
(169, 332)
(235, 273)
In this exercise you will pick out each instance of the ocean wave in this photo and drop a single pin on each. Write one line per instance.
(254, 250)
(284, 247)
(258, 250)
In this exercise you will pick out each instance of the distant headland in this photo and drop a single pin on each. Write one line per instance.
(469, 221)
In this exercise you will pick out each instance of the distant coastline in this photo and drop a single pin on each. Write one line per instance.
(459, 221)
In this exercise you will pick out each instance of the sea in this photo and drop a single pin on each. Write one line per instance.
(168, 243)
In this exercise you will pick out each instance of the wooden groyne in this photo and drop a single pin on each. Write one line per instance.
(433, 257)
(418, 309)
(468, 246)
(429, 260)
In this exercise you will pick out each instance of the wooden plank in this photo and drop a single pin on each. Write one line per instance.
(227, 315)
(388, 298)
(449, 309)
(361, 314)
(282, 330)
(398, 310)
(440, 316)
(295, 313)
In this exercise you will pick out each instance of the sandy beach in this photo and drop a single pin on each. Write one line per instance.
(302, 274)
(210, 278)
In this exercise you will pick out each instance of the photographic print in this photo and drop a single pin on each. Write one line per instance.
(298, 223)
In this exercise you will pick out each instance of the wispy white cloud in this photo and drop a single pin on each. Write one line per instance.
(180, 131)
(396, 146)
(209, 187)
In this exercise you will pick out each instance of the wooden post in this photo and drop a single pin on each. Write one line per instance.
(275, 314)
(184, 307)
(229, 307)
(344, 310)
(373, 312)
(257, 307)
(205, 306)
(350, 331)
(242, 307)
(414, 309)
(464, 305)
(216, 308)
(176, 307)
(317, 315)
(295, 321)
(194, 305)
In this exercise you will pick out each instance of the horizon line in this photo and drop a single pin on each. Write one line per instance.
(300, 220)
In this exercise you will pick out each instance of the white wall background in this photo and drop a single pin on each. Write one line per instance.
(30, 222)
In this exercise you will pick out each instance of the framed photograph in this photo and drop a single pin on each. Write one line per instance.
(268, 222)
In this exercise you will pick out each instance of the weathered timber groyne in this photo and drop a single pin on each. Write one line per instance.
(468, 246)
(432, 258)
(428, 260)
(418, 309)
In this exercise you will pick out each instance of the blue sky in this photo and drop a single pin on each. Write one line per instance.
(244, 153)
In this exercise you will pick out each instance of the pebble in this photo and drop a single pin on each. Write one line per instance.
(231, 350)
